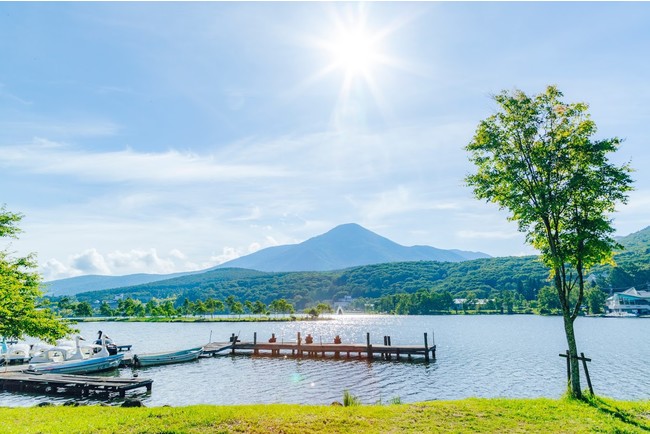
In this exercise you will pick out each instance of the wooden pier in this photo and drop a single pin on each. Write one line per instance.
(300, 348)
(77, 385)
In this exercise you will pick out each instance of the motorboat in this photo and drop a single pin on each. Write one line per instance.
(84, 366)
(77, 364)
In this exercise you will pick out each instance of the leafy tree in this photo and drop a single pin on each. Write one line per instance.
(547, 300)
(324, 308)
(237, 308)
(168, 309)
(536, 158)
(105, 309)
(259, 308)
(22, 312)
(83, 309)
(281, 306)
(595, 299)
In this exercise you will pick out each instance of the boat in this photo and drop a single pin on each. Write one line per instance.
(621, 314)
(64, 351)
(17, 353)
(165, 358)
(84, 366)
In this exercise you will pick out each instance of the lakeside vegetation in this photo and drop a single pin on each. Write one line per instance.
(540, 415)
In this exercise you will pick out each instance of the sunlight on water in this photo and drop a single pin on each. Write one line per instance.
(486, 356)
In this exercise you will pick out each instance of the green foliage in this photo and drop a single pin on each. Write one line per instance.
(536, 158)
(349, 400)
(305, 289)
(595, 299)
(22, 311)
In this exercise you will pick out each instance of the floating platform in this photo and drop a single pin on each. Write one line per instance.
(77, 385)
(300, 348)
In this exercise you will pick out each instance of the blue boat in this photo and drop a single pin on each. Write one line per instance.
(85, 366)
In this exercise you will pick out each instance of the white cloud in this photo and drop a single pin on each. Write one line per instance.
(90, 262)
(46, 157)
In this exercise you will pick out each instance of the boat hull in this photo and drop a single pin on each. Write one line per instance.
(86, 366)
(143, 360)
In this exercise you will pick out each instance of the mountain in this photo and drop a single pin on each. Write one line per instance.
(345, 246)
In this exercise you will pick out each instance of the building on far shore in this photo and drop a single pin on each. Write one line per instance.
(631, 301)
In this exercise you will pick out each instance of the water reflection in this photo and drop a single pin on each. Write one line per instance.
(486, 356)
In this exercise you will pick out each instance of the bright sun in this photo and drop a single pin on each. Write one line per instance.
(354, 51)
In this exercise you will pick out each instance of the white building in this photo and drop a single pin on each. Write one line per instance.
(630, 301)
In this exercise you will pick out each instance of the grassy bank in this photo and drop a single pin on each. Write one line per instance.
(468, 415)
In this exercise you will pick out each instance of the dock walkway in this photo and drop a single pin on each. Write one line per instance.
(299, 348)
(78, 385)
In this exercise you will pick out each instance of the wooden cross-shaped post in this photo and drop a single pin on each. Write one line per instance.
(584, 365)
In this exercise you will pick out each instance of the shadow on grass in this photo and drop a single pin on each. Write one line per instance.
(603, 406)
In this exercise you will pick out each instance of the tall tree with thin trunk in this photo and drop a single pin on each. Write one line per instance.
(536, 158)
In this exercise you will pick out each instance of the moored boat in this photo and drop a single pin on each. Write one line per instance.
(17, 353)
(168, 357)
(85, 366)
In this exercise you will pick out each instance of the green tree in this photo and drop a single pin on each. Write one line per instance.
(237, 308)
(22, 313)
(324, 308)
(547, 300)
(536, 158)
(259, 308)
(105, 309)
(281, 306)
(83, 309)
(595, 299)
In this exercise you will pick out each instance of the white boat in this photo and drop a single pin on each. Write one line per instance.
(17, 353)
(621, 314)
(84, 366)
(167, 357)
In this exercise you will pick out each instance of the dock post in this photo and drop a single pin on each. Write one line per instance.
(384, 354)
(390, 354)
(426, 348)
(255, 350)
(369, 346)
(299, 350)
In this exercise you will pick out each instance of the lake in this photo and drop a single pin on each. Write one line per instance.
(482, 356)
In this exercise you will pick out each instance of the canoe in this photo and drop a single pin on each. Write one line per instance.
(165, 358)
(86, 366)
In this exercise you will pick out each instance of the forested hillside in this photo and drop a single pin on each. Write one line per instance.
(632, 264)
(522, 274)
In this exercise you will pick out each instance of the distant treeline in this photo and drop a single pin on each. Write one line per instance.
(524, 275)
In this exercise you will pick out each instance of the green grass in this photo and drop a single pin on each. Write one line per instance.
(463, 416)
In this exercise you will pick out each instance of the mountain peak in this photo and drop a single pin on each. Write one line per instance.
(344, 246)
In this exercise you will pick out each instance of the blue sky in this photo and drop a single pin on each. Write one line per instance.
(163, 137)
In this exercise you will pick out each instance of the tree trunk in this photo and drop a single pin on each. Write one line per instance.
(574, 384)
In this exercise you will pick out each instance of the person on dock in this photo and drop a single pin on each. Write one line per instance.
(273, 339)
(337, 339)
(309, 339)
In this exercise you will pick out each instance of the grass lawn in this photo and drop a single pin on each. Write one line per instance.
(468, 415)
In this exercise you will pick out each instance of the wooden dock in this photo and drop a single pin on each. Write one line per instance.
(300, 348)
(77, 385)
